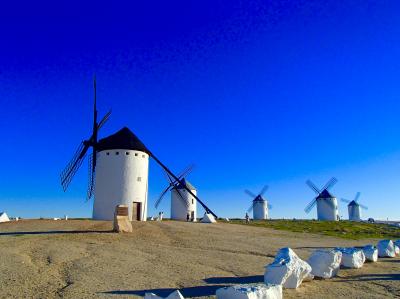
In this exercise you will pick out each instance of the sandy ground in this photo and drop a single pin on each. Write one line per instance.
(45, 259)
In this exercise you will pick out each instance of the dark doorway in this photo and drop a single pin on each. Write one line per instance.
(136, 211)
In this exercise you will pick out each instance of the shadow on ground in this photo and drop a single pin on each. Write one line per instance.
(191, 292)
(198, 291)
(55, 232)
(371, 277)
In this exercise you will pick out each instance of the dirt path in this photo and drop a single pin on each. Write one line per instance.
(45, 260)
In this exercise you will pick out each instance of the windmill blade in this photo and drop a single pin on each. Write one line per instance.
(263, 190)
(250, 193)
(357, 196)
(104, 120)
(364, 207)
(186, 172)
(310, 206)
(72, 167)
(161, 196)
(345, 200)
(330, 184)
(91, 181)
(251, 208)
(313, 187)
(269, 206)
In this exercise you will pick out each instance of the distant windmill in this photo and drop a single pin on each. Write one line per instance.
(118, 172)
(327, 206)
(355, 207)
(182, 202)
(259, 204)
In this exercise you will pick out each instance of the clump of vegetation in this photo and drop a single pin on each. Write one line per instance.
(342, 229)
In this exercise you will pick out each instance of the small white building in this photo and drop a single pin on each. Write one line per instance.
(121, 176)
(327, 206)
(4, 217)
(260, 208)
(183, 203)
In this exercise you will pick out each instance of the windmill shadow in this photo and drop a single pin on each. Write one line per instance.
(235, 279)
(55, 232)
(371, 277)
(189, 292)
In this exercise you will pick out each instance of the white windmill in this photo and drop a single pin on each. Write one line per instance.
(354, 208)
(259, 204)
(118, 172)
(327, 206)
(183, 204)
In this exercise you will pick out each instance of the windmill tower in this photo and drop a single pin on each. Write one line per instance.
(182, 202)
(259, 204)
(354, 208)
(118, 171)
(327, 206)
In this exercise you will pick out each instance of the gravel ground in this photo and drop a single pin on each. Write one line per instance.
(83, 259)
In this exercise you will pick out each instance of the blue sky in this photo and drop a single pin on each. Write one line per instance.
(267, 92)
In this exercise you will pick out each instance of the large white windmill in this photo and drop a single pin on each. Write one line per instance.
(327, 205)
(354, 207)
(183, 204)
(118, 172)
(259, 205)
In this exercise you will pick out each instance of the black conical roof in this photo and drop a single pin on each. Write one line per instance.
(259, 198)
(353, 203)
(325, 194)
(187, 184)
(123, 139)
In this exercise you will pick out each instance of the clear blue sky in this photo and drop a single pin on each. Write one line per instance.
(268, 92)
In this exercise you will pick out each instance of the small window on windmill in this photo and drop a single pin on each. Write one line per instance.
(139, 179)
(143, 156)
(127, 153)
(117, 153)
(107, 153)
(192, 201)
(136, 154)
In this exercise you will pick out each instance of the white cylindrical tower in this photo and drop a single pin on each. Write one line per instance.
(260, 209)
(327, 209)
(354, 211)
(184, 205)
(122, 170)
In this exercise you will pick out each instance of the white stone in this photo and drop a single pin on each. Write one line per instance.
(371, 253)
(325, 263)
(250, 292)
(287, 269)
(386, 248)
(396, 249)
(4, 217)
(352, 257)
(208, 218)
(174, 295)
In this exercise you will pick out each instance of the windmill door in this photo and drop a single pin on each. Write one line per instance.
(136, 211)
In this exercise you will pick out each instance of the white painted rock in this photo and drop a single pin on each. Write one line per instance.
(386, 248)
(352, 257)
(396, 249)
(208, 218)
(371, 253)
(244, 291)
(287, 269)
(325, 263)
(174, 295)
